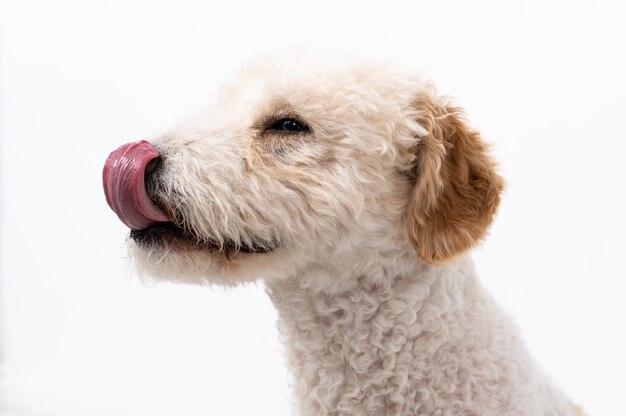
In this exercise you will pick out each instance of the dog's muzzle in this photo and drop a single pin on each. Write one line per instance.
(123, 178)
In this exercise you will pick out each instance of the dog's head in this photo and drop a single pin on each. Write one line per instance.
(300, 164)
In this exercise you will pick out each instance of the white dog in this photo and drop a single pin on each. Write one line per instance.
(355, 191)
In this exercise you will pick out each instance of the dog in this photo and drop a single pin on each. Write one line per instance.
(354, 190)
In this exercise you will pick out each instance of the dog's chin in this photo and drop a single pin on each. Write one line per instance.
(165, 253)
(171, 237)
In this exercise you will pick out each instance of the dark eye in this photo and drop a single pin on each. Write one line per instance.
(288, 125)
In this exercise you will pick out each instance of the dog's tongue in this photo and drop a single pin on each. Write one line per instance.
(124, 185)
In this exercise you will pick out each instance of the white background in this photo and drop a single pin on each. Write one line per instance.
(543, 81)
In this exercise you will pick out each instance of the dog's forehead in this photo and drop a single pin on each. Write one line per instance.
(309, 80)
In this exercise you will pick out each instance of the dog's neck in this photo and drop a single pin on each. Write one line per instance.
(392, 343)
(359, 326)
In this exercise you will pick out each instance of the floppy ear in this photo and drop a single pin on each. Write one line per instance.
(457, 190)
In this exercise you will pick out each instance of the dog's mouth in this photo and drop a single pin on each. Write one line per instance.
(168, 234)
(124, 180)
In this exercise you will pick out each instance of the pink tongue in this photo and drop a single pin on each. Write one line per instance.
(124, 186)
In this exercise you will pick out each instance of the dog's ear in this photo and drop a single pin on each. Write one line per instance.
(457, 190)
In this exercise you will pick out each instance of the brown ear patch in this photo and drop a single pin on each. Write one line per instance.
(457, 190)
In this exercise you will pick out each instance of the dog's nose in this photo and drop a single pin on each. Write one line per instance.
(123, 178)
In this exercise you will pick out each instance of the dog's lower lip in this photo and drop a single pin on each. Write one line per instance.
(169, 234)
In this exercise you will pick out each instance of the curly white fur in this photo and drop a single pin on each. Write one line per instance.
(370, 328)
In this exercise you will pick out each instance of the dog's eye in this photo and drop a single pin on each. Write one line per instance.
(288, 125)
